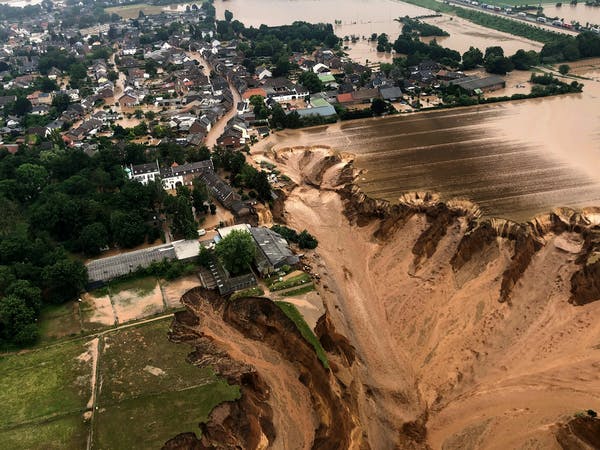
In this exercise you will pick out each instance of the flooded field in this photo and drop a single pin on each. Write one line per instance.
(364, 17)
(513, 159)
(580, 13)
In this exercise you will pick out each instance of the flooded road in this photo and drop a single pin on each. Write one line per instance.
(513, 159)
(364, 17)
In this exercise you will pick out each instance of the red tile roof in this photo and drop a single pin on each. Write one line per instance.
(256, 91)
(345, 98)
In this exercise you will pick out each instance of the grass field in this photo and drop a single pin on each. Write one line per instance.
(300, 291)
(133, 11)
(298, 280)
(149, 393)
(292, 312)
(43, 394)
(149, 421)
(146, 392)
(250, 292)
(58, 321)
(65, 432)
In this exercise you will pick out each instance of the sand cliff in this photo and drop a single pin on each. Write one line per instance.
(444, 330)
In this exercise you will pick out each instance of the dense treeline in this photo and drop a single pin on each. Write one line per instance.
(276, 44)
(59, 202)
(570, 48)
(304, 239)
(418, 51)
(411, 26)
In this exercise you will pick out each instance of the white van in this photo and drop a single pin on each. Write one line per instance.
(201, 232)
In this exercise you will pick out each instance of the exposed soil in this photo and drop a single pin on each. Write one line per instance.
(460, 325)
(174, 290)
(130, 305)
(442, 330)
(289, 400)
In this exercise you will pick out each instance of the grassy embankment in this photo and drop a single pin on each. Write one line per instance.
(492, 21)
(143, 385)
(292, 312)
(297, 280)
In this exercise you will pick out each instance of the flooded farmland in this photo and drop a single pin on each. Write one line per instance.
(361, 18)
(514, 160)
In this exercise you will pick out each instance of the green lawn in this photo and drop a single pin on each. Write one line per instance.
(43, 383)
(141, 286)
(298, 280)
(292, 312)
(149, 421)
(150, 393)
(67, 432)
(57, 321)
(130, 356)
(299, 291)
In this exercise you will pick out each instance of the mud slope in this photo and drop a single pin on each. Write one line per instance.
(466, 332)
(289, 400)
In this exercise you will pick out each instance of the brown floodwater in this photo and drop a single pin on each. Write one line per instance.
(513, 159)
(361, 18)
(580, 13)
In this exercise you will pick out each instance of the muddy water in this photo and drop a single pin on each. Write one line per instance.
(580, 13)
(513, 159)
(364, 17)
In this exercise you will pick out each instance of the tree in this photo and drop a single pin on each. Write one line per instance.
(127, 229)
(21, 106)
(179, 211)
(378, 106)
(204, 256)
(17, 321)
(307, 240)
(77, 72)
(93, 238)
(311, 81)
(228, 15)
(199, 195)
(64, 280)
(282, 67)
(150, 67)
(500, 65)
(61, 102)
(236, 251)
(472, 58)
(25, 290)
(213, 209)
(564, 69)
(523, 60)
(31, 179)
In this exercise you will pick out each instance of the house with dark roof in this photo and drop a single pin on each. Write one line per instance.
(272, 250)
(475, 85)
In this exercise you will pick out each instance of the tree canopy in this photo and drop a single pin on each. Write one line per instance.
(236, 251)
